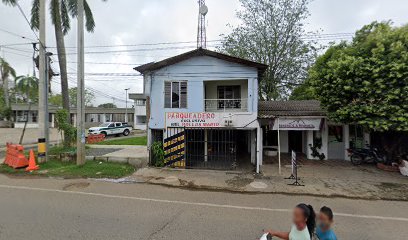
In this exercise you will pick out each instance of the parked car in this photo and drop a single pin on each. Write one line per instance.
(111, 128)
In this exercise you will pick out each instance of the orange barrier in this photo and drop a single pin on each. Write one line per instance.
(15, 156)
(32, 166)
(91, 139)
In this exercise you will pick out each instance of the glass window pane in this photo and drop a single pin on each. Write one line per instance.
(175, 96)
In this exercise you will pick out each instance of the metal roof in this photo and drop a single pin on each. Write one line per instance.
(199, 52)
(272, 109)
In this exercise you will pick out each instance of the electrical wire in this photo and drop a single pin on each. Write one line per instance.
(16, 35)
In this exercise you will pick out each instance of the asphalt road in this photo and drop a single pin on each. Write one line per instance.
(88, 209)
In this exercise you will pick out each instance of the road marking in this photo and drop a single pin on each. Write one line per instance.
(195, 203)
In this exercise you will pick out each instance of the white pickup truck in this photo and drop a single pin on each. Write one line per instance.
(111, 128)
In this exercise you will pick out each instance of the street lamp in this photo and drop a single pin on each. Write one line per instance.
(126, 115)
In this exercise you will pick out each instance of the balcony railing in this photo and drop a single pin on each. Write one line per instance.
(226, 105)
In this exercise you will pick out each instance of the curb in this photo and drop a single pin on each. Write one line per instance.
(136, 162)
(238, 191)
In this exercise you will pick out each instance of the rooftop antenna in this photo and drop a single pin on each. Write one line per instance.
(201, 34)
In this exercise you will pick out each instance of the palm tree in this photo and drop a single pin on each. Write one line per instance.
(28, 87)
(60, 11)
(5, 72)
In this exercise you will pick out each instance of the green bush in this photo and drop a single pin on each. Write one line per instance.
(158, 154)
(63, 125)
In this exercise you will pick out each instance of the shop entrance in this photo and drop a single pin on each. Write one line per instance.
(295, 141)
(220, 149)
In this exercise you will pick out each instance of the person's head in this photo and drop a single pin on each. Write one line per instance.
(325, 218)
(304, 215)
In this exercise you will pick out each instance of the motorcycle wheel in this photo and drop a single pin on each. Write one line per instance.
(356, 159)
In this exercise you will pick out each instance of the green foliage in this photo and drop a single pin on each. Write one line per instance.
(365, 82)
(63, 125)
(317, 145)
(27, 88)
(271, 33)
(303, 92)
(89, 97)
(6, 71)
(107, 105)
(91, 169)
(56, 99)
(158, 154)
(62, 11)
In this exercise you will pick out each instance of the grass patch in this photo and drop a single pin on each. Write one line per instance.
(91, 169)
(141, 141)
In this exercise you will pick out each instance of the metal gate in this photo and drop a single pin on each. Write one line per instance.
(210, 148)
(174, 148)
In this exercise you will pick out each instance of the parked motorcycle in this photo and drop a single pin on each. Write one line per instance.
(359, 156)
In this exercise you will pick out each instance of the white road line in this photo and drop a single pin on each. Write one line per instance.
(195, 203)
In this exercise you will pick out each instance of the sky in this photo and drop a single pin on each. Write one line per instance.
(136, 23)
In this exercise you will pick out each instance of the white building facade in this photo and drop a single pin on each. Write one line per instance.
(140, 122)
(203, 106)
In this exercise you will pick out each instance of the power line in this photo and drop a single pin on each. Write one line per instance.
(16, 35)
(28, 22)
(18, 54)
(15, 44)
(307, 36)
(17, 49)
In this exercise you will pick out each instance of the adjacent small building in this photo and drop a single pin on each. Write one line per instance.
(94, 116)
(299, 125)
(140, 122)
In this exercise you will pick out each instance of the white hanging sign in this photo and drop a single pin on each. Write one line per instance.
(299, 124)
(192, 120)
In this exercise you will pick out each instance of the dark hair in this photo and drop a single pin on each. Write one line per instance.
(327, 211)
(310, 216)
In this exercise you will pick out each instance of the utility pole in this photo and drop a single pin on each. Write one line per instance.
(126, 115)
(81, 87)
(43, 138)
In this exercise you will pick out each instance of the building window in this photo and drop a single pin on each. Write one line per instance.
(34, 117)
(175, 94)
(140, 102)
(229, 97)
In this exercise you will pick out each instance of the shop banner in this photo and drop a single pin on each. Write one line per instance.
(299, 124)
(194, 120)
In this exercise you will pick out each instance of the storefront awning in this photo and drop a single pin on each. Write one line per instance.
(297, 124)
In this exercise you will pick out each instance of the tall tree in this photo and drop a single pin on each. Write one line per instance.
(56, 99)
(60, 11)
(89, 97)
(27, 86)
(271, 32)
(107, 105)
(365, 82)
(6, 71)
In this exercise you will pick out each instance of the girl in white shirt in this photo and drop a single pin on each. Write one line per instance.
(304, 223)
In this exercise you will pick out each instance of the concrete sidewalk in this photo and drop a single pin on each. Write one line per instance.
(341, 180)
(133, 155)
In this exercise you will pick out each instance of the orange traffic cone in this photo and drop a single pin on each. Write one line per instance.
(32, 166)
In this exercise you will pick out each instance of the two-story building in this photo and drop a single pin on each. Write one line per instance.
(203, 105)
